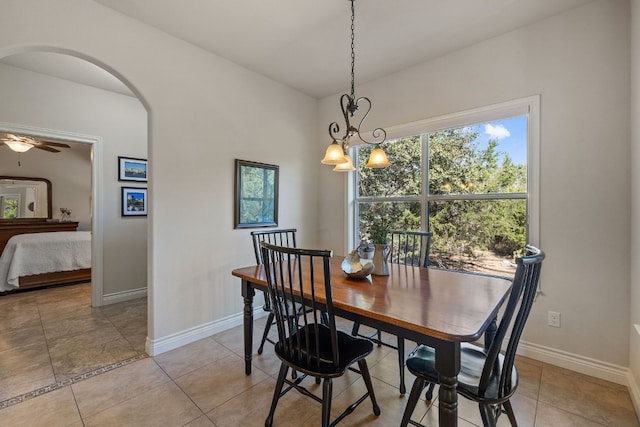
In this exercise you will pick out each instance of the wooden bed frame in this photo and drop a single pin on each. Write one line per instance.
(9, 228)
(57, 278)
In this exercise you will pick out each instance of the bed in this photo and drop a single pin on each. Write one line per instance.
(43, 259)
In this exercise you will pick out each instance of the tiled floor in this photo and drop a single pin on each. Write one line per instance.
(203, 384)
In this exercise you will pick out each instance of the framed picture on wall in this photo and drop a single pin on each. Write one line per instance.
(132, 169)
(134, 201)
(256, 195)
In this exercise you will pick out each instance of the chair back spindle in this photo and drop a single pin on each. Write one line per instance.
(280, 237)
(410, 247)
(300, 280)
(523, 292)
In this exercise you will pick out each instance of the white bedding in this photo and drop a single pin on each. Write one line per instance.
(37, 253)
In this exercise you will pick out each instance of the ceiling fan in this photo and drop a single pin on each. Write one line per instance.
(22, 143)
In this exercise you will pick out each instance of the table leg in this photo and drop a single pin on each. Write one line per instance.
(448, 366)
(248, 293)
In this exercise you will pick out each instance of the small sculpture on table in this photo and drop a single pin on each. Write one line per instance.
(356, 267)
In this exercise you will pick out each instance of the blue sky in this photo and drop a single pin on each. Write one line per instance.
(511, 135)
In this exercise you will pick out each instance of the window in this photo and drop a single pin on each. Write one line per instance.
(469, 178)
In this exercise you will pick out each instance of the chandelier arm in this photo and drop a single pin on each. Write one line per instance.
(378, 133)
(334, 128)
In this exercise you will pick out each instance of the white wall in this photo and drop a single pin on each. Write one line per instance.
(579, 63)
(634, 339)
(41, 101)
(203, 113)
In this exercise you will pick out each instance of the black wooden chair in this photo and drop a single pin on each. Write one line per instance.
(486, 375)
(408, 248)
(305, 343)
(283, 237)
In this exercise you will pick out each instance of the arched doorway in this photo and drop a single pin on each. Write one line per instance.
(105, 194)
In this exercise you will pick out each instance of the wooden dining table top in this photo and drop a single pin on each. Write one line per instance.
(447, 305)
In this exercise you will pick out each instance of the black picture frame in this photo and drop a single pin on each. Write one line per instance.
(132, 169)
(256, 194)
(134, 201)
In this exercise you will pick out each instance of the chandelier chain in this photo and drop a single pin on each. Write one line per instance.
(353, 54)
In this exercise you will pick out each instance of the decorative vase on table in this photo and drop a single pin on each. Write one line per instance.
(65, 214)
(381, 260)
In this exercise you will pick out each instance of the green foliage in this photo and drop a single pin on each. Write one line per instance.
(257, 195)
(402, 178)
(457, 167)
(10, 208)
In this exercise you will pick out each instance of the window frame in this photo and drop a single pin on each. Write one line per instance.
(529, 106)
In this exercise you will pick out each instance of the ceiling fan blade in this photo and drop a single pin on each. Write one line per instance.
(50, 143)
(46, 148)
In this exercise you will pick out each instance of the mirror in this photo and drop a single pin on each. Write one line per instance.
(22, 197)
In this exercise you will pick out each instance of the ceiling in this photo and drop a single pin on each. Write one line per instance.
(305, 44)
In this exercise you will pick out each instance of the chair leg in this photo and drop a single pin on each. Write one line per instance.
(379, 338)
(403, 388)
(509, 410)
(414, 396)
(429, 394)
(327, 390)
(355, 329)
(488, 415)
(364, 371)
(266, 331)
(276, 394)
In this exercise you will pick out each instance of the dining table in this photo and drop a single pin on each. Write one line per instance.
(432, 306)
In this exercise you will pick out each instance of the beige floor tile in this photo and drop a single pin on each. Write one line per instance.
(165, 405)
(190, 357)
(17, 360)
(24, 382)
(57, 408)
(23, 314)
(550, 416)
(93, 321)
(77, 354)
(387, 369)
(24, 369)
(391, 404)
(529, 376)
(292, 410)
(234, 341)
(597, 400)
(202, 421)
(212, 385)
(104, 391)
(16, 338)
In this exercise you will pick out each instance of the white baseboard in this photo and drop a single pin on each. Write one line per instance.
(124, 296)
(585, 365)
(634, 391)
(170, 342)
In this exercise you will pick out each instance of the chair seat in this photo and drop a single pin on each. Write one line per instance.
(421, 362)
(318, 363)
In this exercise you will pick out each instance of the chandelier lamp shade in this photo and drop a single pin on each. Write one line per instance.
(336, 153)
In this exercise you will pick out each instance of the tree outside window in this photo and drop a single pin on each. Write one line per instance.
(467, 185)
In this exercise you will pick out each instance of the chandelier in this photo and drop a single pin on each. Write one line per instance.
(336, 153)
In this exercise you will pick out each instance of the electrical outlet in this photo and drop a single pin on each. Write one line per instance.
(553, 319)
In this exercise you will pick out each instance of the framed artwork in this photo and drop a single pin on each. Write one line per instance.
(131, 169)
(256, 195)
(134, 201)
